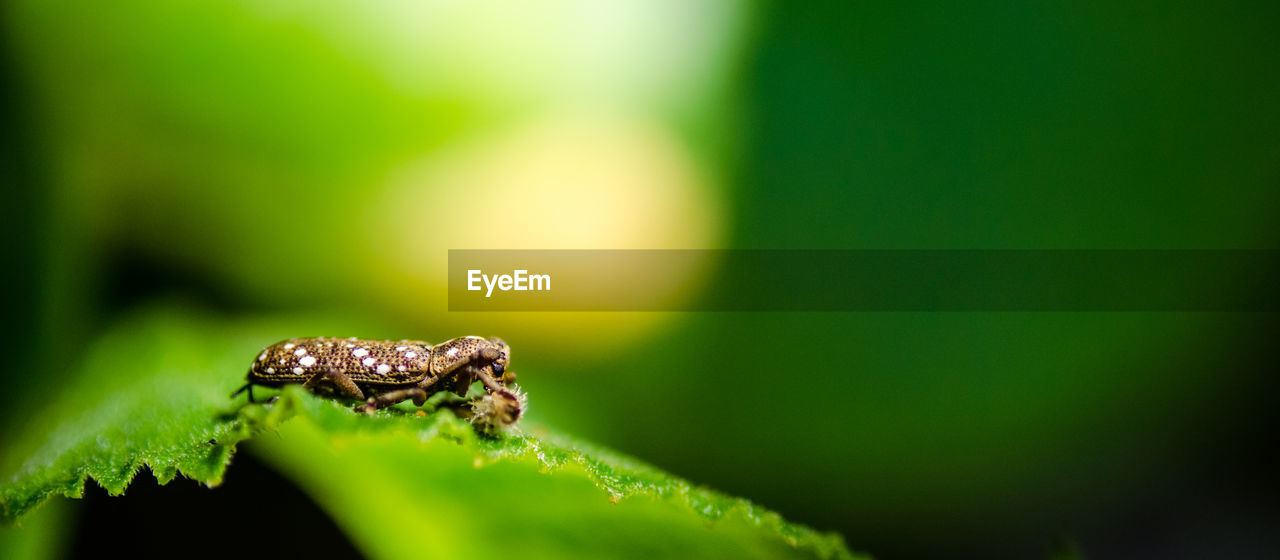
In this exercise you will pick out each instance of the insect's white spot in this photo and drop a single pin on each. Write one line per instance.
(351, 346)
(452, 352)
(299, 351)
(271, 370)
(401, 348)
(359, 352)
(282, 360)
(297, 371)
(368, 362)
(289, 346)
(262, 356)
(351, 338)
(400, 368)
(474, 336)
(307, 361)
(411, 354)
(383, 369)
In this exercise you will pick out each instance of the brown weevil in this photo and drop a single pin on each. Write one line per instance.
(385, 372)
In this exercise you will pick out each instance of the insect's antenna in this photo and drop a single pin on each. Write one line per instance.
(241, 390)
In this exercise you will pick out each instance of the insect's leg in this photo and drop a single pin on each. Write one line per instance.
(426, 384)
(246, 387)
(465, 375)
(462, 379)
(418, 393)
(488, 380)
(463, 408)
(340, 381)
(392, 397)
(315, 380)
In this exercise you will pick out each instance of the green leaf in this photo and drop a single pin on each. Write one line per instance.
(153, 392)
(41, 534)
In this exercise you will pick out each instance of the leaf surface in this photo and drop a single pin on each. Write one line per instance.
(153, 393)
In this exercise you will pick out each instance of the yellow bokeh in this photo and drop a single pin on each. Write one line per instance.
(562, 182)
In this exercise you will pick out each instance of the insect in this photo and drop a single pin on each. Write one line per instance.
(385, 372)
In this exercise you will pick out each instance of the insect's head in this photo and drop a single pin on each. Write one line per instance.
(502, 362)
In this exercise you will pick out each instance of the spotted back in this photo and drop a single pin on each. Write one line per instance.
(379, 362)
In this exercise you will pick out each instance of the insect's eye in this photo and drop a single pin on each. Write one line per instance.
(498, 368)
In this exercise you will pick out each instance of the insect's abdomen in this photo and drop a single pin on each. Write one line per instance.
(364, 361)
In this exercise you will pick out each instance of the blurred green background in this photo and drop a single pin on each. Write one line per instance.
(261, 157)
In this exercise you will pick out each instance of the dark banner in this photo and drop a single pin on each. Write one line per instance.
(863, 280)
